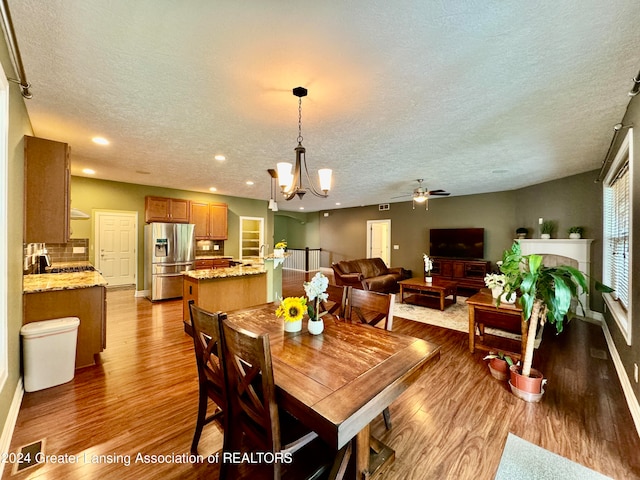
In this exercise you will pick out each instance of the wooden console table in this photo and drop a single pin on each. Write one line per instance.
(483, 312)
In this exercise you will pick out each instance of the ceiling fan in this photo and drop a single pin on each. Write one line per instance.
(421, 194)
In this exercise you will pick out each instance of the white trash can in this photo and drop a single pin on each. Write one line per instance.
(49, 352)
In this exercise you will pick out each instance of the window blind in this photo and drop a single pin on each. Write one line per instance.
(617, 224)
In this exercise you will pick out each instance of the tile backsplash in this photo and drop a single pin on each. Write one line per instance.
(77, 250)
(208, 247)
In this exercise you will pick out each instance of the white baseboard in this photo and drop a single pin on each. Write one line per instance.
(142, 293)
(10, 422)
(632, 401)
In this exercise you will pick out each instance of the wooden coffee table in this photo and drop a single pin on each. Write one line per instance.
(437, 288)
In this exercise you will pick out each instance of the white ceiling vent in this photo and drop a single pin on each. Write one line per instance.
(383, 206)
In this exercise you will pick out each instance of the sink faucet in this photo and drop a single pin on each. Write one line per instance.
(263, 246)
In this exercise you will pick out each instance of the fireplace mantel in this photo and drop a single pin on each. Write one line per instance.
(578, 249)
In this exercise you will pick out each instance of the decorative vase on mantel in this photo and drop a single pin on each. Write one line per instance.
(316, 327)
(293, 326)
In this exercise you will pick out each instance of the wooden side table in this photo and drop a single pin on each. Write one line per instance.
(483, 312)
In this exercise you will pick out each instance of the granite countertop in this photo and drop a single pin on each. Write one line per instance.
(48, 282)
(77, 263)
(237, 271)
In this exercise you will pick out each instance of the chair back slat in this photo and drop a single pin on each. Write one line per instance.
(336, 303)
(206, 342)
(370, 307)
(251, 386)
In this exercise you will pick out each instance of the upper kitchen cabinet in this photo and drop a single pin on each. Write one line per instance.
(210, 220)
(170, 210)
(46, 191)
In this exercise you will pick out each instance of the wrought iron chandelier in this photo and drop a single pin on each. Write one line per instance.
(291, 182)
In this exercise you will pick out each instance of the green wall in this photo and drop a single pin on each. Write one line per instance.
(19, 125)
(343, 232)
(89, 194)
(570, 201)
(300, 230)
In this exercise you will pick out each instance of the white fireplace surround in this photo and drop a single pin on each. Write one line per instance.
(578, 249)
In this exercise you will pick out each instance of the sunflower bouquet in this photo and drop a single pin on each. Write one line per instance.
(292, 309)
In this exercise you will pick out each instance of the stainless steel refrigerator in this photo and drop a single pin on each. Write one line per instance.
(169, 249)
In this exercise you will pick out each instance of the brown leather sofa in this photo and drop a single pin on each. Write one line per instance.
(369, 274)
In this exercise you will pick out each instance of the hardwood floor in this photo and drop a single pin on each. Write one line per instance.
(453, 423)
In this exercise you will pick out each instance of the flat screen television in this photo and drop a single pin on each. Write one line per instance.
(456, 242)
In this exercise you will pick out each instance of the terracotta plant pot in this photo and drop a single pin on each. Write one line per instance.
(532, 384)
(499, 369)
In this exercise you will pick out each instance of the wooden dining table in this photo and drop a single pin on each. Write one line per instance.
(337, 382)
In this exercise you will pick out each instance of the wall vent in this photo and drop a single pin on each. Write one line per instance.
(383, 206)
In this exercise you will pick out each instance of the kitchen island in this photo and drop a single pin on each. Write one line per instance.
(77, 294)
(224, 289)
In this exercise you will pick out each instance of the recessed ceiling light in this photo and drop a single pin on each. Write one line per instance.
(100, 140)
(249, 182)
(88, 171)
(213, 189)
(338, 204)
(301, 208)
(220, 158)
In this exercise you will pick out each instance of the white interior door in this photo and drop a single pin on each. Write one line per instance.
(116, 239)
(379, 240)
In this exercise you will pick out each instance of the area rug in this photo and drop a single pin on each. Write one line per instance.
(454, 317)
(525, 461)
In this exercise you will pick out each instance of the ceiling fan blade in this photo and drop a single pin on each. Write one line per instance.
(439, 194)
(402, 196)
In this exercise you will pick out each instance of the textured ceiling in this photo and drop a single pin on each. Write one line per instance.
(473, 96)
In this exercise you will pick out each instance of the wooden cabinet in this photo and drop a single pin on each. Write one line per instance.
(218, 215)
(468, 273)
(223, 293)
(88, 304)
(207, 263)
(170, 210)
(46, 191)
(210, 220)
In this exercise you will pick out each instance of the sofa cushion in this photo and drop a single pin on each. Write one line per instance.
(382, 283)
(372, 267)
(347, 266)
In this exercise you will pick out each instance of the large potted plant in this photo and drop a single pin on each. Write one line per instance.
(545, 294)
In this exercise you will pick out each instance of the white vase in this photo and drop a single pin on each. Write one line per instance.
(545, 236)
(575, 235)
(278, 252)
(496, 292)
(315, 326)
(428, 279)
(293, 326)
(508, 297)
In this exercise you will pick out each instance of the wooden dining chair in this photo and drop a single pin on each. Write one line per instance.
(337, 301)
(371, 308)
(211, 380)
(257, 421)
